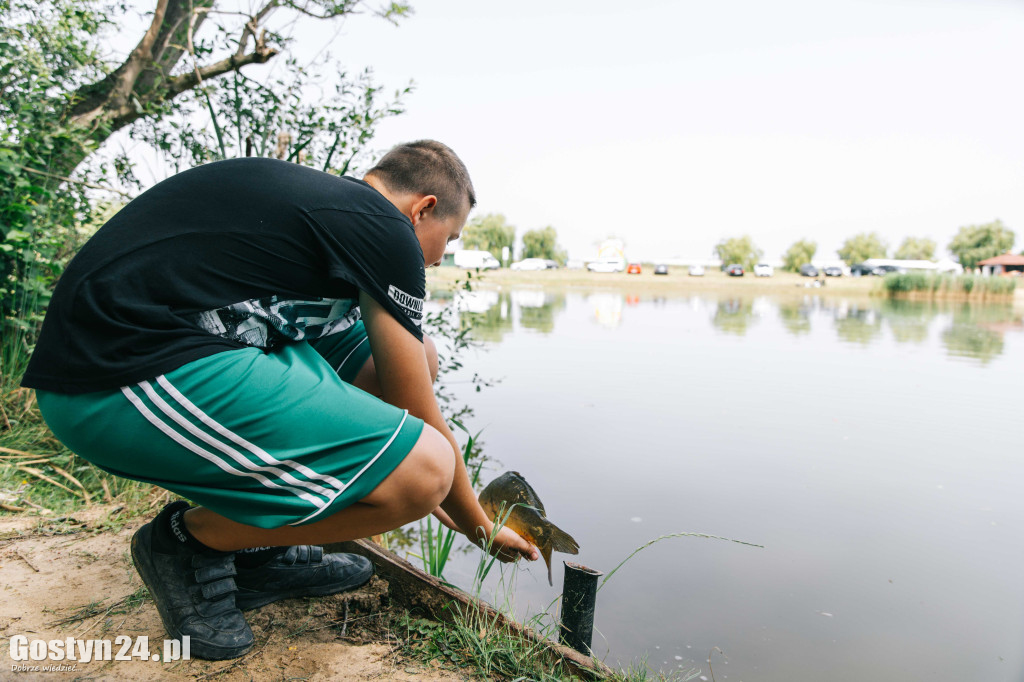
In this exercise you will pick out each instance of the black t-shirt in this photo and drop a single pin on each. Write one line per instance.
(246, 252)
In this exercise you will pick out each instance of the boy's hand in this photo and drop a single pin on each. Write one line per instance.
(508, 546)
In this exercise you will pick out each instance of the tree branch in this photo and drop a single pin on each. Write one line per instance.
(91, 100)
(140, 56)
(73, 181)
(179, 84)
(253, 25)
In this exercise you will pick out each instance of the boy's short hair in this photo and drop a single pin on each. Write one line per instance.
(427, 167)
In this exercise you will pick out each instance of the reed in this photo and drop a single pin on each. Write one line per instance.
(931, 285)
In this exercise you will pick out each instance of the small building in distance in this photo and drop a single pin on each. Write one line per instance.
(1009, 264)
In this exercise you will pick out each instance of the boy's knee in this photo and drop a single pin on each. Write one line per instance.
(438, 466)
(423, 479)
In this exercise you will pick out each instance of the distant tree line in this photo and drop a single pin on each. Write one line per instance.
(972, 244)
(493, 233)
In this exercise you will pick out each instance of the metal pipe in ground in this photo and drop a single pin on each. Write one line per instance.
(579, 598)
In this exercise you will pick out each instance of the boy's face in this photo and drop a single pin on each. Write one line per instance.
(435, 234)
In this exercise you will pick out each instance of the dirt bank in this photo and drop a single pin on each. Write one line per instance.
(75, 579)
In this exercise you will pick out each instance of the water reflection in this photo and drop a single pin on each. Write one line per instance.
(796, 316)
(492, 314)
(487, 313)
(538, 309)
(909, 320)
(607, 308)
(977, 331)
(965, 330)
(733, 316)
(856, 323)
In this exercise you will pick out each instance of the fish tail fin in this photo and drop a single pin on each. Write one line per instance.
(562, 541)
(545, 552)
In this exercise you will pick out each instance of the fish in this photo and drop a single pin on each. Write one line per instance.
(526, 517)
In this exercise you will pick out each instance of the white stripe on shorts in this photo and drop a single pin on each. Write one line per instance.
(338, 368)
(238, 457)
(265, 457)
(405, 415)
(212, 458)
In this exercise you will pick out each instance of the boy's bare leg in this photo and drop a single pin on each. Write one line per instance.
(414, 489)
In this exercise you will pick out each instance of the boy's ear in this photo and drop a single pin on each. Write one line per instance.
(421, 207)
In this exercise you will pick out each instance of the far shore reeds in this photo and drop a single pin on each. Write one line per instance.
(928, 286)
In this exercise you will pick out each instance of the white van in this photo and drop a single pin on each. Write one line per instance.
(607, 265)
(472, 259)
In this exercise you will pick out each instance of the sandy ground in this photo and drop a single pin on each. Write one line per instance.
(71, 580)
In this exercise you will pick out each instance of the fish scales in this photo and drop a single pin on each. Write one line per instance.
(510, 498)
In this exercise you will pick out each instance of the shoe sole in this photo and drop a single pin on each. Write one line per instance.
(146, 570)
(257, 599)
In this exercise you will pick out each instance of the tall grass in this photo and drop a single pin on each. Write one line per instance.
(37, 473)
(945, 285)
(479, 640)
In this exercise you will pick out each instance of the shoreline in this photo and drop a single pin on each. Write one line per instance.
(678, 283)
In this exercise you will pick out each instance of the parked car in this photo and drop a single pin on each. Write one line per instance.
(607, 265)
(862, 269)
(530, 264)
(763, 270)
(552, 264)
(696, 271)
(471, 259)
(734, 270)
(886, 269)
(833, 271)
(633, 269)
(661, 270)
(808, 270)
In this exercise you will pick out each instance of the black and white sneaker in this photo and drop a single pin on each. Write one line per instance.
(300, 571)
(194, 593)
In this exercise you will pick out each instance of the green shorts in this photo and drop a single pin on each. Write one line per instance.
(265, 439)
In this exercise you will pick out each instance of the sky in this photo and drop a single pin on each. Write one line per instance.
(674, 125)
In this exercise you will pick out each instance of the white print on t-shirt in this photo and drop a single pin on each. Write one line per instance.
(412, 306)
(265, 322)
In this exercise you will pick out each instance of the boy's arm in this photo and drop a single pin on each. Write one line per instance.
(405, 382)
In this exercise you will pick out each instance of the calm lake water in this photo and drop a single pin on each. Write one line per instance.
(874, 449)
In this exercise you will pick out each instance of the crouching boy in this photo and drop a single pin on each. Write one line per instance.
(247, 335)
